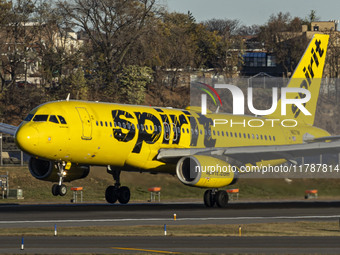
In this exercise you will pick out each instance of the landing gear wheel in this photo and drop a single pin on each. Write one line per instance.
(62, 190)
(124, 195)
(55, 190)
(222, 198)
(111, 194)
(209, 198)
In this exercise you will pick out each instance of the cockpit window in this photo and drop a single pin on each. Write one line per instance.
(54, 119)
(29, 117)
(42, 117)
(62, 120)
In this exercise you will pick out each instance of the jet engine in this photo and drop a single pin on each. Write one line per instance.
(206, 172)
(48, 171)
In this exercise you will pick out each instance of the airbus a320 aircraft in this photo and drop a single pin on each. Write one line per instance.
(65, 138)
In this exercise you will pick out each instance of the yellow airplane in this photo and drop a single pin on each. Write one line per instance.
(65, 138)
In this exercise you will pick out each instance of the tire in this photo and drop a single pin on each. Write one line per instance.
(55, 190)
(209, 198)
(111, 195)
(62, 190)
(222, 198)
(123, 195)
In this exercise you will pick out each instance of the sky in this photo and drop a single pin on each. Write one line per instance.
(251, 12)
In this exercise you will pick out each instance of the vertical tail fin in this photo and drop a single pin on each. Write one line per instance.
(307, 75)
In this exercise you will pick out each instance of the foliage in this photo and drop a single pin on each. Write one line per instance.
(279, 38)
(132, 81)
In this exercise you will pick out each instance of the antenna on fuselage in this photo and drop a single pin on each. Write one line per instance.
(68, 97)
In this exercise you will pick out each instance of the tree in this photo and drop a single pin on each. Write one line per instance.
(113, 28)
(132, 81)
(282, 36)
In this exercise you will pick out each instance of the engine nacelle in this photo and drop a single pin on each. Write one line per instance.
(48, 171)
(206, 172)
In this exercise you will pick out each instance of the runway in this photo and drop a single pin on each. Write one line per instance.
(168, 244)
(46, 215)
(15, 215)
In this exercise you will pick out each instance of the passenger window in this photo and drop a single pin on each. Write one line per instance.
(183, 130)
(142, 127)
(222, 133)
(62, 120)
(253, 136)
(261, 137)
(265, 137)
(239, 135)
(244, 135)
(274, 138)
(146, 127)
(40, 118)
(257, 136)
(29, 117)
(105, 123)
(214, 132)
(97, 122)
(54, 119)
(235, 134)
(124, 126)
(110, 124)
(226, 133)
(270, 138)
(155, 128)
(151, 127)
(231, 134)
(248, 136)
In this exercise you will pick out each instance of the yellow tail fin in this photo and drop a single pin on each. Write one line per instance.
(307, 75)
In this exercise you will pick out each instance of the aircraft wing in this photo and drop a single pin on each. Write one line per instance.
(8, 129)
(252, 154)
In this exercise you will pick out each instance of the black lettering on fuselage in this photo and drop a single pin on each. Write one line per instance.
(147, 133)
(207, 124)
(126, 125)
(177, 122)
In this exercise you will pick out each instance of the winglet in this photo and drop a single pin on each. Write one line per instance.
(68, 97)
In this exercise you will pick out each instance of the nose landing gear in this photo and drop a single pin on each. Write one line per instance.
(60, 189)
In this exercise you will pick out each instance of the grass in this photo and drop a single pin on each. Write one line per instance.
(172, 189)
(300, 228)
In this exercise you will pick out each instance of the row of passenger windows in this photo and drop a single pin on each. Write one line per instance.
(167, 129)
(44, 117)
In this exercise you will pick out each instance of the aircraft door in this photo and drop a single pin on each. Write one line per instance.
(86, 123)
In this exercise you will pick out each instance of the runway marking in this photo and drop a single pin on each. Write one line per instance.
(146, 250)
(171, 219)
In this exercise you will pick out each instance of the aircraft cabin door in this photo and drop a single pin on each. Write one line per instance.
(86, 123)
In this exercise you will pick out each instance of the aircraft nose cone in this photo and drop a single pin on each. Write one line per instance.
(27, 139)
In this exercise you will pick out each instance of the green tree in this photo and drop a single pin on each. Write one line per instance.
(132, 82)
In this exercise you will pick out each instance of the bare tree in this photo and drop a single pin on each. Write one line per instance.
(112, 26)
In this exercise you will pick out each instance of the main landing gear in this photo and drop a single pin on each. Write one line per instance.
(220, 197)
(60, 189)
(116, 192)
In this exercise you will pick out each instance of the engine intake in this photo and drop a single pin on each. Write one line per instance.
(48, 171)
(206, 172)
